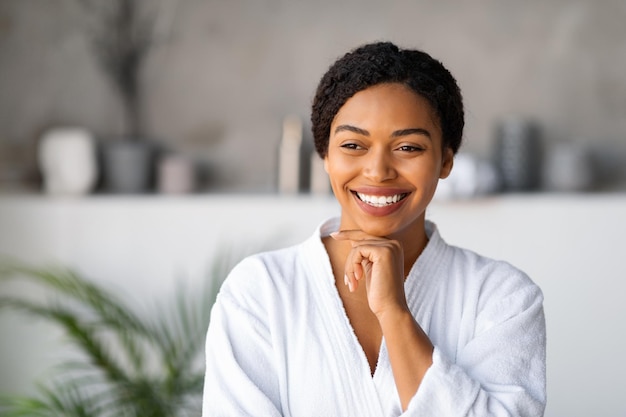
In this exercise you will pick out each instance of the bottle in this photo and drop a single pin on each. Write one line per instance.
(289, 156)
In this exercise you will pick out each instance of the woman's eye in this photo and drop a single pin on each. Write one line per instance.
(410, 148)
(352, 146)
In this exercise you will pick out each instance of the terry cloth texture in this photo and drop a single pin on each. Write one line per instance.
(280, 342)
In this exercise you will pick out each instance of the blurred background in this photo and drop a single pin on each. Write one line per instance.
(141, 138)
(215, 79)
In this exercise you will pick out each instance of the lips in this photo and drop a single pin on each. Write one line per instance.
(381, 200)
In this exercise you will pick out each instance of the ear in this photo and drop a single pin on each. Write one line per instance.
(326, 163)
(446, 163)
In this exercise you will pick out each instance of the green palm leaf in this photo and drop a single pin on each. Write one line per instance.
(133, 365)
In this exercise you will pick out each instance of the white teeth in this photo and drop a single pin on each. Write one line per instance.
(380, 201)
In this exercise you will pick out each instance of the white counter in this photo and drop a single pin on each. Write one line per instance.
(571, 245)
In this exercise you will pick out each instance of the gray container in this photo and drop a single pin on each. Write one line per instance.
(128, 166)
(518, 154)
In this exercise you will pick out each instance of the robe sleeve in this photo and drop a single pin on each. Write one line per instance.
(240, 377)
(500, 372)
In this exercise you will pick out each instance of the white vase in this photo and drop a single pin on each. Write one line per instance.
(67, 160)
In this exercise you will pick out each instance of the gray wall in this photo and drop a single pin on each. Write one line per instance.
(226, 72)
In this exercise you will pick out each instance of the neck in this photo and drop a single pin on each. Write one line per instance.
(413, 240)
(412, 250)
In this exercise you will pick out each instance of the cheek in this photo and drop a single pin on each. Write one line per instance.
(420, 168)
(338, 175)
(339, 171)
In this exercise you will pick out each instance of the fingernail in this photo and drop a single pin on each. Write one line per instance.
(334, 234)
(345, 279)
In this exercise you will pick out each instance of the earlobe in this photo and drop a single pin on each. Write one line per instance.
(446, 163)
(326, 164)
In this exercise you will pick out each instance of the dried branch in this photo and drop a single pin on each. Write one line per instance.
(122, 36)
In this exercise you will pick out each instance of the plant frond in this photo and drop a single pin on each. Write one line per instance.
(107, 312)
(131, 365)
(83, 335)
(63, 400)
(181, 330)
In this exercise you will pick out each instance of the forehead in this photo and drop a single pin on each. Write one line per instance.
(392, 104)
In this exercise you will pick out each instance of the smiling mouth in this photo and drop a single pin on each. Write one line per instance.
(381, 200)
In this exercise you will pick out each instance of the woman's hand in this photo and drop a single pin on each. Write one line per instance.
(379, 262)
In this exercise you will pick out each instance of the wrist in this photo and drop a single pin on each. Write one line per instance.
(400, 323)
(394, 316)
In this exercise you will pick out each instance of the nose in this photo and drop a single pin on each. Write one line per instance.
(379, 166)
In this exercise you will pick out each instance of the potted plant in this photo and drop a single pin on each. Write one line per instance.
(122, 35)
(127, 363)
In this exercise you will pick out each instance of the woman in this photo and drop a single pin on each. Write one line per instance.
(375, 315)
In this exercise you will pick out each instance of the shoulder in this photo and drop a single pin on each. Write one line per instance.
(481, 277)
(486, 269)
(277, 275)
(260, 269)
(497, 287)
(275, 264)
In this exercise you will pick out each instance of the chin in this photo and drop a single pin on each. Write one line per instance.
(380, 228)
(392, 228)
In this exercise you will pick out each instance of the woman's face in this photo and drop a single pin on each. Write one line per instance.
(384, 160)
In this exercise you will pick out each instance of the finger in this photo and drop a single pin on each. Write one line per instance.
(358, 271)
(351, 276)
(348, 281)
(366, 267)
(358, 266)
(354, 235)
(353, 271)
(351, 282)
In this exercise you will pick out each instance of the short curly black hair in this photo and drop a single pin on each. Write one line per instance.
(384, 62)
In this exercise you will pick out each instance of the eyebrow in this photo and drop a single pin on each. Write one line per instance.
(395, 134)
(411, 131)
(351, 128)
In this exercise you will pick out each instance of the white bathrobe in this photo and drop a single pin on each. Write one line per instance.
(280, 343)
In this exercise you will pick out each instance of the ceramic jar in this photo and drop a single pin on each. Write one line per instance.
(67, 161)
(175, 175)
(127, 165)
